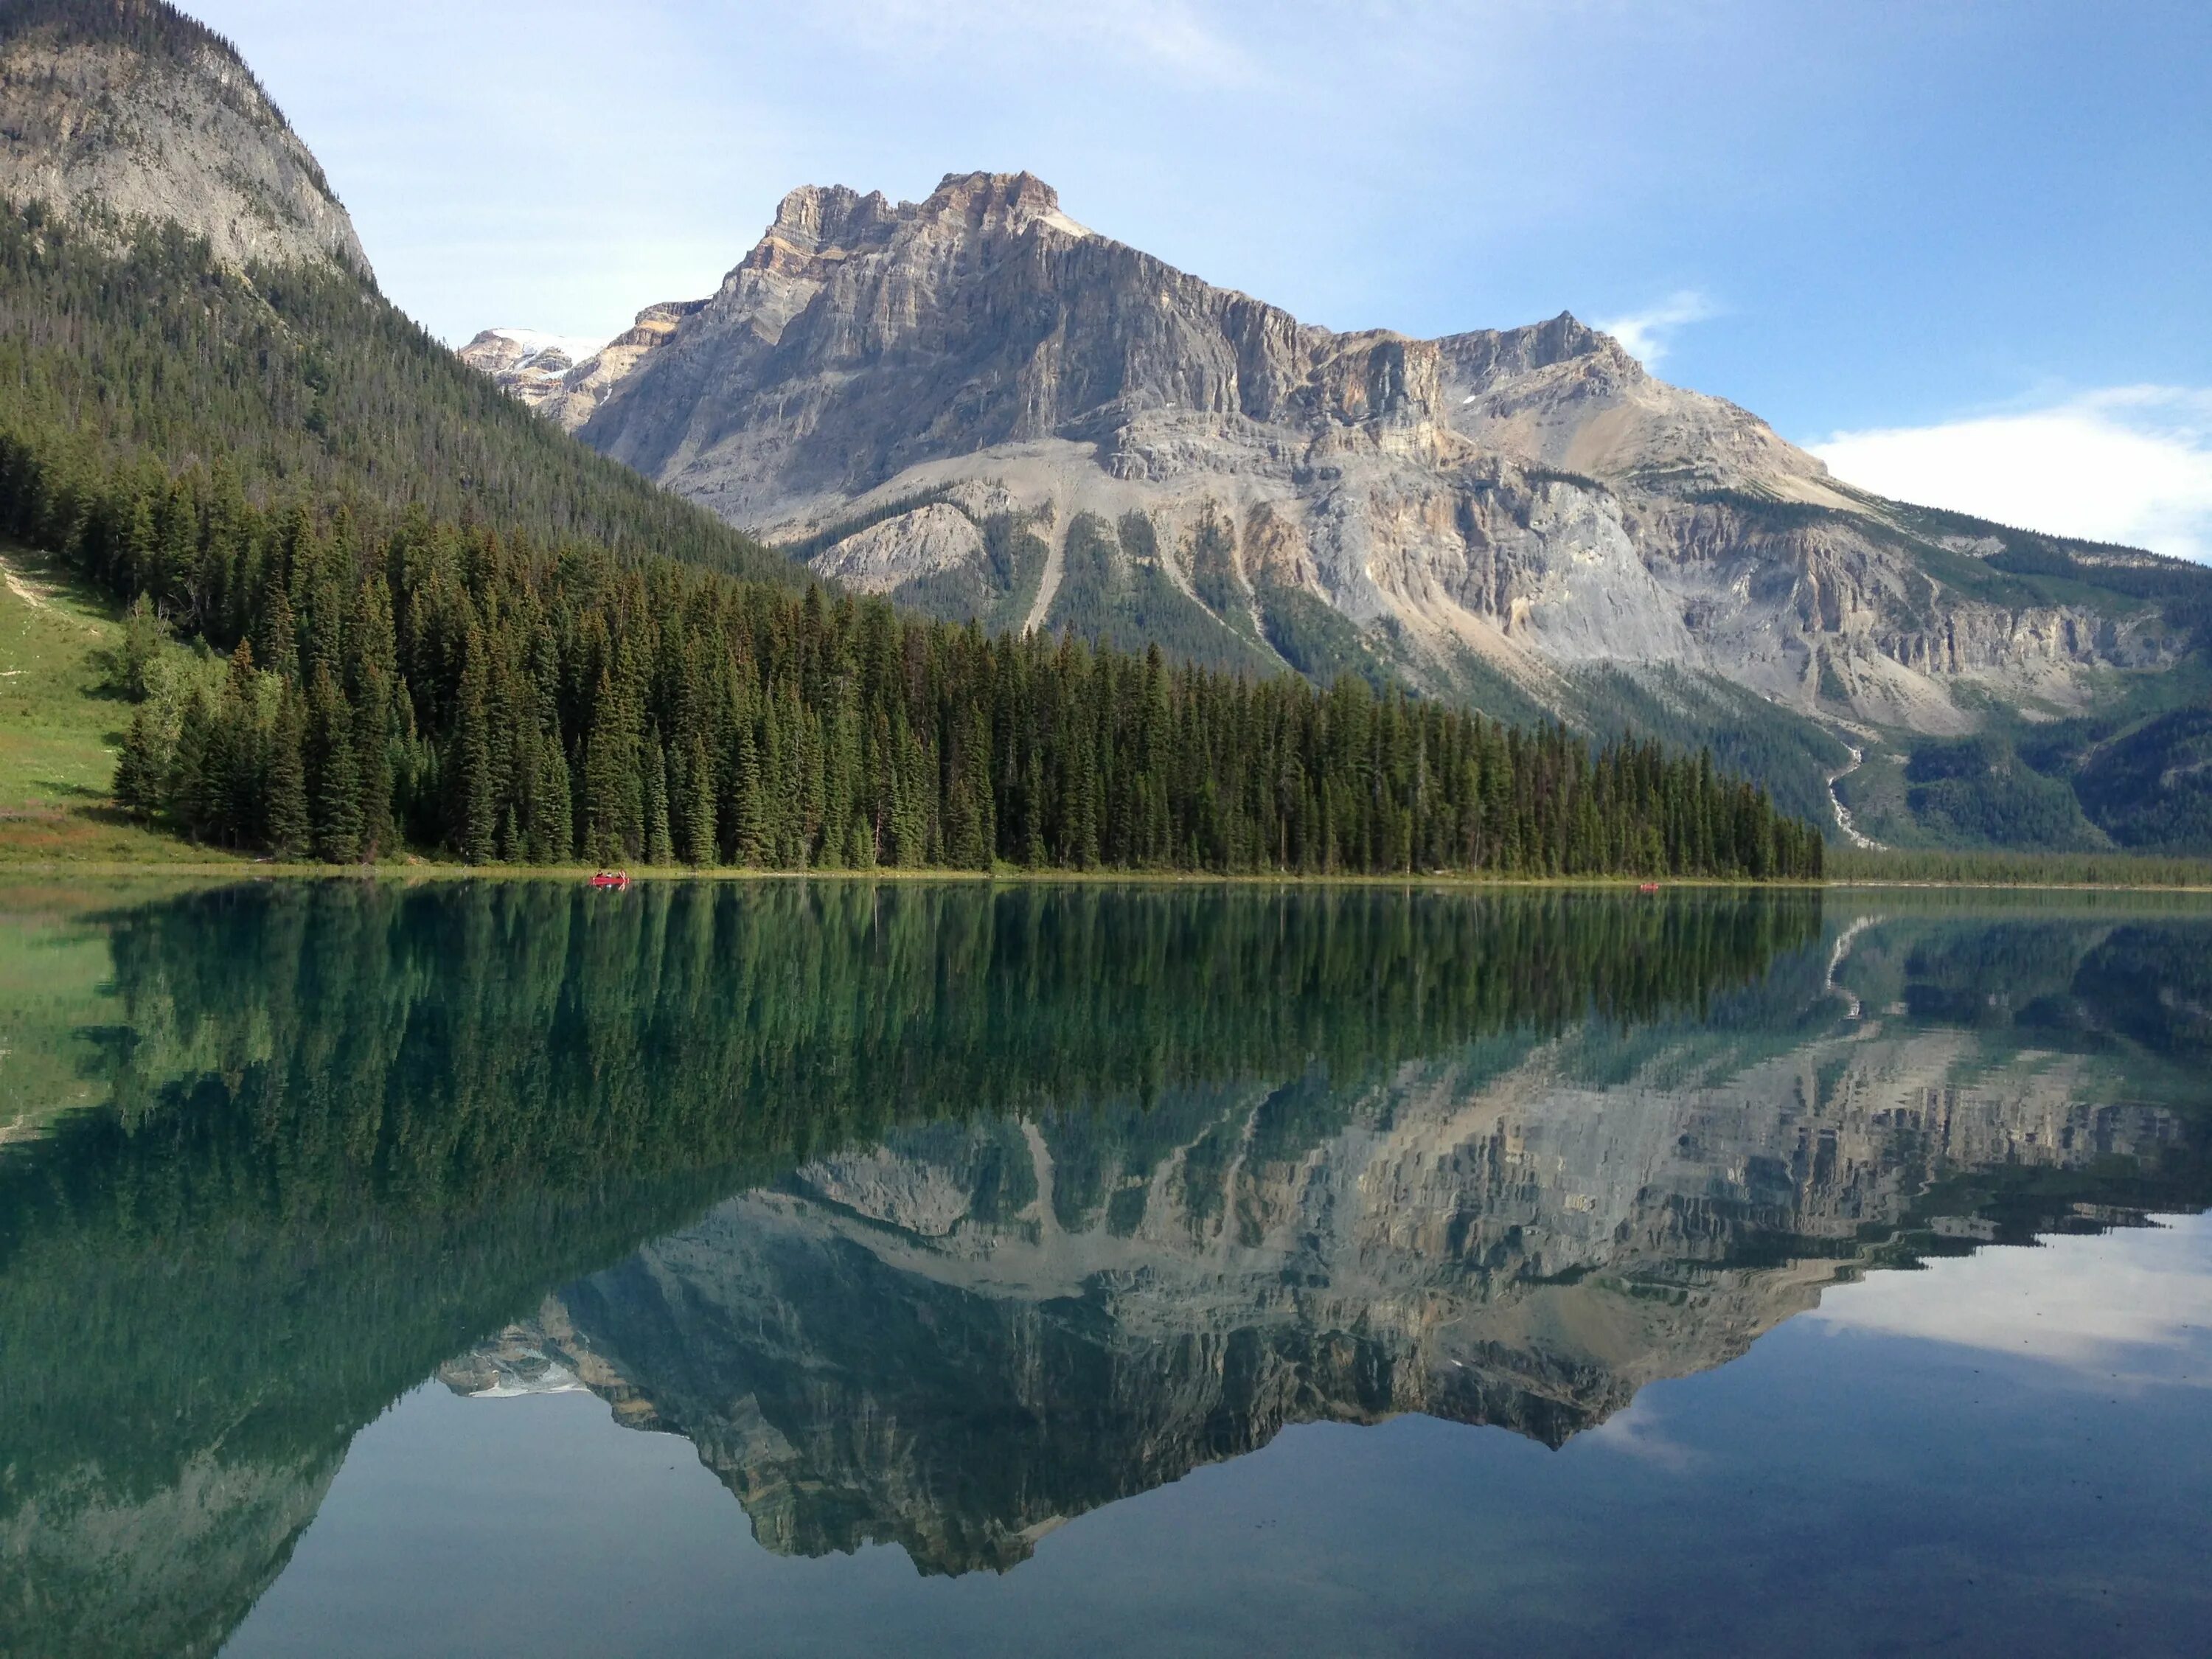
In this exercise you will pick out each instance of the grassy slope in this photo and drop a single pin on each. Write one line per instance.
(59, 728)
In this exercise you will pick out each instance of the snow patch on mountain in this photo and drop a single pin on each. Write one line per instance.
(537, 342)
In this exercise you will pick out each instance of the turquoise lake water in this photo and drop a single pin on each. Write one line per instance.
(831, 1268)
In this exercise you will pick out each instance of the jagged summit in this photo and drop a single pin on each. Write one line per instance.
(859, 340)
(116, 113)
(818, 228)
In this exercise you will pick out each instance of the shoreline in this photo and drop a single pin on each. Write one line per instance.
(11, 873)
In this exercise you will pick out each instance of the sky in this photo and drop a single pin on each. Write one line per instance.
(1963, 250)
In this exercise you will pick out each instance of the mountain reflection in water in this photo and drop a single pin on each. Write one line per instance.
(938, 1216)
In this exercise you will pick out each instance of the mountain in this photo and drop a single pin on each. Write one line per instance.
(527, 365)
(981, 407)
(180, 290)
(567, 393)
(122, 111)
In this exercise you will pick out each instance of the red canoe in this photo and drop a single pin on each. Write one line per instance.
(612, 878)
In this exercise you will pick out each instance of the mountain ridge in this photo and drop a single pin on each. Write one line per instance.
(982, 408)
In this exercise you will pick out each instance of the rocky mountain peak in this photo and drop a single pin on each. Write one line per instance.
(1489, 353)
(817, 226)
(1007, 203)
(529, 365)
(127, 112)
(975, 405)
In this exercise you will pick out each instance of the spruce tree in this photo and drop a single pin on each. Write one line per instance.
(141, 646)
(476, 802)
(658, 849)
(371, 674)
(188, 786)
(288, 829)
(607, 778)
(138, 766)
(552, 823)
(699, 814)
(333, 780)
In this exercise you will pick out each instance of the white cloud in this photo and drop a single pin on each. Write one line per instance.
(1647, 334)
(2099, 1306)
(2131, 464)
(1637, 1432)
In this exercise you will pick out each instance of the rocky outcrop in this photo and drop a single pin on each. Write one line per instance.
(129, 113)
(1528, 502)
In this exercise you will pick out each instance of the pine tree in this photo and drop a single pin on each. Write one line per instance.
(235, 808)
(138, 766)
(607, 778)
(333, 780)
(699, 814)
(476, 805)
(658, 850)
(188, 786)
(372, 673)
(287, 829)
(550, 830)
(141, 646)
(279, 637)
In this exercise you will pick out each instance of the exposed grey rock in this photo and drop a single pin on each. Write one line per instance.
(530, 366)
(1530, 499)
(936, 538)
(113, 136)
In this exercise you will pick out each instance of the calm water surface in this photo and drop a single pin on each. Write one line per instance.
(824, 1269)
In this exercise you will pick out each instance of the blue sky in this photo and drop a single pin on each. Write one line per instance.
(1965, 246)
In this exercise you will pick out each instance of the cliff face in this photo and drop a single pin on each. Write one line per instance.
(1179, 462)
(127, 113)
(957, 1341)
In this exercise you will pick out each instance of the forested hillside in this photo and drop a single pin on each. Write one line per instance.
(304, 384)
(450, 687)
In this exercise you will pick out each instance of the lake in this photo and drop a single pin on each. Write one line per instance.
(792, 1267)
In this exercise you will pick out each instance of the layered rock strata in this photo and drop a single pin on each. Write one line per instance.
(1528, 501)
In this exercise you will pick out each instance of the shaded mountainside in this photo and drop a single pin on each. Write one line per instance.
(981, 407)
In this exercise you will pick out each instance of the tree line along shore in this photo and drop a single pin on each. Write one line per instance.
(447, 687)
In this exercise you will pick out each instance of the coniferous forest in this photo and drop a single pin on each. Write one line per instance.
(446, 628)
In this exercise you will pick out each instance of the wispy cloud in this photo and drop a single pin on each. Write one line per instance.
(1637, 1432)
(2128, 464)
(1646, 335)
(1169, 36)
